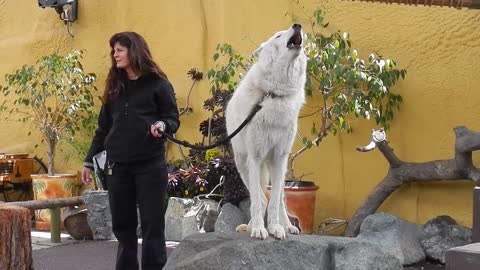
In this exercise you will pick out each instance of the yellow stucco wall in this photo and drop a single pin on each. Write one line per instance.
(438, 47)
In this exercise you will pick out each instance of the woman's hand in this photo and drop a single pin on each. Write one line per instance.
(159, 125)
(86, 175)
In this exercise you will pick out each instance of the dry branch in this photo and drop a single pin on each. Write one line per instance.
(458, 168)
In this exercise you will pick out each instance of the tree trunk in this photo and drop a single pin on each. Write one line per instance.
(51, 157)
(15, 242)
(459, 168)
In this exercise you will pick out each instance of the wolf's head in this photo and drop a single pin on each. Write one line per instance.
(284, 46)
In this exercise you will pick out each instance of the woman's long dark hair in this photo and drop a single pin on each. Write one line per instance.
(140, 60)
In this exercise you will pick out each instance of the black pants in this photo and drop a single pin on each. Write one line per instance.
(144, 183)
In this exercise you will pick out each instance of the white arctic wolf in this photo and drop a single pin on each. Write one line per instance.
(261, 149)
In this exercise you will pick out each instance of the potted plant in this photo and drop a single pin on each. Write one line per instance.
(55, 96)
(340, 86)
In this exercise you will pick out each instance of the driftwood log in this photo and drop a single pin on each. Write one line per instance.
(15, 242)
(49, 203)
(458, 168)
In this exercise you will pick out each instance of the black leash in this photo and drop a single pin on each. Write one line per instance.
(218, 143)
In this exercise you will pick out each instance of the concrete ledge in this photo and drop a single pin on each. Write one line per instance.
(463, 258)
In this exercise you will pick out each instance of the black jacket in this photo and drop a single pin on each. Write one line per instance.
(124, 123)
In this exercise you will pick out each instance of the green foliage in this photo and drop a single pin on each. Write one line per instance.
(228, 69)
(81, 142)
(54, 95)
(211, 154)
(348, 86)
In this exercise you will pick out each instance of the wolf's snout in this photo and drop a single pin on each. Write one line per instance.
(297, 26)
(295, 40)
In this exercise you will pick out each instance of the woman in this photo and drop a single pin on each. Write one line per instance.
(137, 102)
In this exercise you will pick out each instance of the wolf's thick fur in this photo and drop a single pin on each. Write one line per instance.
(262, 147)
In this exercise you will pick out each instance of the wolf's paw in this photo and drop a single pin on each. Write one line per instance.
(259, 232)
(292, 229)
(243, 228)
(277, 231)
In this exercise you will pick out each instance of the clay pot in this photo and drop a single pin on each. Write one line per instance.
(300, 199)
(49, 187)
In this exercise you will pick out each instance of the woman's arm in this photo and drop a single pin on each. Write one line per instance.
(98, 142)
(167, 108)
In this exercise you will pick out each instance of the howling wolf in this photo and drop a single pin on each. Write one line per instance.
(261, 149)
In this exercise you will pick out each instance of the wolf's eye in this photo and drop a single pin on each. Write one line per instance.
(278, 36)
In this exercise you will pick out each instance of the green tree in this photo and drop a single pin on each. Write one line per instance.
(348, 86)
(54, 95)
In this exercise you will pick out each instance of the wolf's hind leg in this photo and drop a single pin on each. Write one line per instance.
(241, 163)
(244, 227)
(284, 220)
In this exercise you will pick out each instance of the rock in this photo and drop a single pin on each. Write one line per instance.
(188, 216)
(240, 251)
(443, 233)
(394, 235)
(229, 218)
(178, 223)
(98, 215)
(245, 207)
(362, 256)
(207, 216)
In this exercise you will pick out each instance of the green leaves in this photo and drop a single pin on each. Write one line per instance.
(55, 94)
(229, 64)
(349, 86)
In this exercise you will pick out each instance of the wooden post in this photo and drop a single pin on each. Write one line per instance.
(55, 225)
(15, 242)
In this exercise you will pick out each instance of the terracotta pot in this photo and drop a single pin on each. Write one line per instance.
(300, 199)
(50, 187)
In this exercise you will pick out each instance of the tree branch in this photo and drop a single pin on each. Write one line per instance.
(459, 168)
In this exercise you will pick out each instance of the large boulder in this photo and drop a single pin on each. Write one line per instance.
(394, 235)
(240, 251)
(184, 217)
(441, 234)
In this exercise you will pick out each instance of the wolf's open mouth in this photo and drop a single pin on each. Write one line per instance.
(296, 40)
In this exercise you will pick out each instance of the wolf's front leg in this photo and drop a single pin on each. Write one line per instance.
(277, 179)
(258, 201)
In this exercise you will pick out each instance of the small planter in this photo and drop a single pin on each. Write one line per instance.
(48, 187)
(300, 199)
